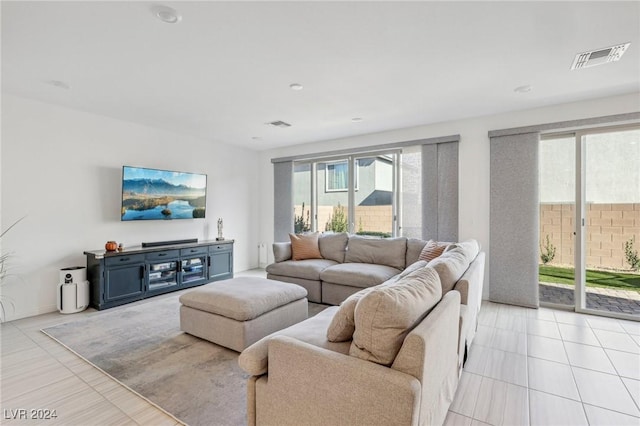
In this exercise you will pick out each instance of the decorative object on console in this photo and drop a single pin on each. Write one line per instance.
(219, 237)
(111, 246)
(150, 194)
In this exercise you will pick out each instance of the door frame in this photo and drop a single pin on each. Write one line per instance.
(580, 218)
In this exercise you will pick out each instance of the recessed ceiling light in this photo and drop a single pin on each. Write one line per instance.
(166, 14)
(357, 119)
(523, 89)
(59, 84)
(295, 86)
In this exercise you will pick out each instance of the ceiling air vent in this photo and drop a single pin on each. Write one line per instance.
(599, 57)
(279, 124)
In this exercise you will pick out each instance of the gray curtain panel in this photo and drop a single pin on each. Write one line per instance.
(282, 200)
(514, 223)
(440, 191)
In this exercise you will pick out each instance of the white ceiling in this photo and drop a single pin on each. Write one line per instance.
(225, 69)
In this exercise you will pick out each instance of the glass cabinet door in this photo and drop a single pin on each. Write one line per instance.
(163, 275)
(193, 270)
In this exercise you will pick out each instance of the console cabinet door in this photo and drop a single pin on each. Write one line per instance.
(220, 262)
(124, 282)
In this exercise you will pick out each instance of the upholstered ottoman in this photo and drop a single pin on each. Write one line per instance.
(238, 312)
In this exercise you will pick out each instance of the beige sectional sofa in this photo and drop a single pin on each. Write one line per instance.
(351, 263)
(400, 365)
(391, 353)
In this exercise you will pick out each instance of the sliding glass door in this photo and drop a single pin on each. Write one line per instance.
(589, 240)
(610, 161)
(557, 220)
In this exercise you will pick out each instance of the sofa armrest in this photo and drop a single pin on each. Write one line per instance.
(430, 353)
(471, 282)
(470, 288)
(325, 387)
(281, 251)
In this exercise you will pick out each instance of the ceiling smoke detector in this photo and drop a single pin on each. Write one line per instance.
(599, 57)
(279, 123)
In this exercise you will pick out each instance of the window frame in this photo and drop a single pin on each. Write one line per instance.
(345, 162)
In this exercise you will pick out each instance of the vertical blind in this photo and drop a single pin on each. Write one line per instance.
(440, 191)
(282, 200)
(514, 222)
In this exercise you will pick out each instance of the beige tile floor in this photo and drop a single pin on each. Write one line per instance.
(37, 373)
(526, 367)
(549, 367)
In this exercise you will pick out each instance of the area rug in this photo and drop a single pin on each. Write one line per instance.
(141, 345)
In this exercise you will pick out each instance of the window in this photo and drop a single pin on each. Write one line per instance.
(376, 193)
(341, 205)
(337, 176)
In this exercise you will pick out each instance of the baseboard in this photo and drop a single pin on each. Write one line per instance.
(41, 310)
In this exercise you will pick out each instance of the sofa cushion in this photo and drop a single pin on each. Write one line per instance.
(358, 274)
(384, 316)
(469, 248)
(380, 251)
(431, 250)
(343, 322)
(450, 267)
(242, 298)
(281, 251)
(309, 269)
(305, 246)
(414, 247)
(333, 246)
(254, 359)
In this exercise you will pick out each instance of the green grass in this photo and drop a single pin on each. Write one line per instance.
(605, 279)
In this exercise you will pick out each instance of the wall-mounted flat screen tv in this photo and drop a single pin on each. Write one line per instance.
(151, 194)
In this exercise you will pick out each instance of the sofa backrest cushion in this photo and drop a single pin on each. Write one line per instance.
(450, 266)
(381, 251)
(469, 248)
(384, 316)
(305, 246)
(281, 252)
(414, 247)
(343, 323)
(333, 246)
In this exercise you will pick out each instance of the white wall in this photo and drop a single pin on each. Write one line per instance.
(62, 169)
(473, 157)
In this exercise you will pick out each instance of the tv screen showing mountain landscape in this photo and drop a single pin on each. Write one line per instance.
(150, 194)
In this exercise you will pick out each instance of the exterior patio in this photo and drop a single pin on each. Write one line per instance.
(602, 299)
